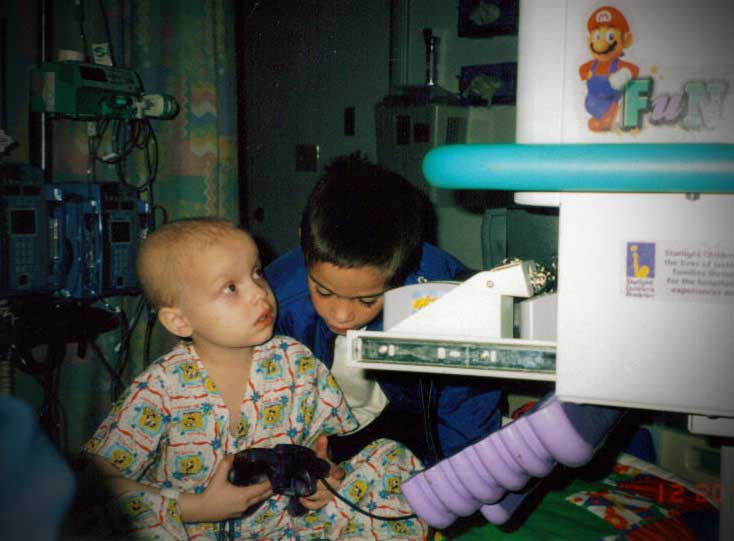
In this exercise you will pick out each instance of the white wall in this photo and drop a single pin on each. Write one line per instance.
(305, 64)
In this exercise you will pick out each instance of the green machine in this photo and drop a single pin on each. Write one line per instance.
(82, 91)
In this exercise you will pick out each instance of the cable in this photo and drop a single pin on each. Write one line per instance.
(152, 315)
(107, 32)
(80, 17)
(164, 212)
(51, 412)
(226, 530)
(123, 346)
(117, 385)
(427, 409)
(360, 510)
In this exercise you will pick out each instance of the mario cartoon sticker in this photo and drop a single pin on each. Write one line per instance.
(621, 95)
(606, 74)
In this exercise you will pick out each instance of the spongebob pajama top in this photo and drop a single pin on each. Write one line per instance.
(171, 429)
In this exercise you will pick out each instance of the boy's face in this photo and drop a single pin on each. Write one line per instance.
(225, 298)
(346, 298)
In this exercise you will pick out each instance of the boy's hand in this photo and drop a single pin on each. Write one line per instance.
(322, 496)
(221, 499)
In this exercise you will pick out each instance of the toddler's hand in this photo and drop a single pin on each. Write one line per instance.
(322, 496)
(221, 499)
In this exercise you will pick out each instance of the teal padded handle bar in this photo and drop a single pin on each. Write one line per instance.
(636, 167)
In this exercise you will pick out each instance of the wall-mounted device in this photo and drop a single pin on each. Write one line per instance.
(76, 240)
(81, 91)
(104, 224)
(23, 223)
(405, 133)
(24, 239)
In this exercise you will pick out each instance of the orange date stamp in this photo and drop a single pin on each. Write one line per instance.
(704, 492)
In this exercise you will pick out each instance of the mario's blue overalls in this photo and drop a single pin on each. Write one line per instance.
(601, 96)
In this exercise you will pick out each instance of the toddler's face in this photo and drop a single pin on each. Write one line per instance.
(226, 298)
(346, 298)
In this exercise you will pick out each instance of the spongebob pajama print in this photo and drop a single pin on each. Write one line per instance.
(171, 429)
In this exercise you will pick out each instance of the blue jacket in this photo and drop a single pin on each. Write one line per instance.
(463, 412)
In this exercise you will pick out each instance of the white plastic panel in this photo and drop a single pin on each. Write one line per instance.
(675, 42)
(661, 341)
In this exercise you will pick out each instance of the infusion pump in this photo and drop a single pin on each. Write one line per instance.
(75, 240)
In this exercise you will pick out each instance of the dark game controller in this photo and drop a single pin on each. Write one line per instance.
(293, 470)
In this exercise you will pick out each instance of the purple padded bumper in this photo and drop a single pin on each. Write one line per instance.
(469, 470)
(500, 512)
(490, 474)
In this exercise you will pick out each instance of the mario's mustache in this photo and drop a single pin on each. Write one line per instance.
(612, 46)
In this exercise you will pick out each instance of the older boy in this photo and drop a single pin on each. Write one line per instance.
(361, 234)
(166, 448)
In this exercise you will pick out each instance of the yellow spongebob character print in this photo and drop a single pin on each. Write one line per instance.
(210, 386)
(189, 372)
(305, 365)
(350, 528)
(172, 510)
(116, 407)
(331, 382)
(398, 527)
(92, 445)
(120, 458)
(307, 410)
(311, 518)
(150, 419)
(271, 368)
(392, 484)
(263, 517)
(357, 490)
(189, 465)
(243, 428)
(134, 506)
(272, 414)
(396, 454)
(191, 420)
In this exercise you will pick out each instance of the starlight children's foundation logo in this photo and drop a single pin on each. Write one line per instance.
(640, 260)
(640, 269)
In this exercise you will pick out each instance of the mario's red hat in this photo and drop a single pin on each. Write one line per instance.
(608, 16)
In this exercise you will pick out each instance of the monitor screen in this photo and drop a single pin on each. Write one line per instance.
(93, 74)
(120, 231)
(22, 221)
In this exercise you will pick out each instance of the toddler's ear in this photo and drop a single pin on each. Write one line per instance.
(175, 322)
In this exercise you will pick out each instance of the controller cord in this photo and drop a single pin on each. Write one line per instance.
(226, 530)
(358, 509)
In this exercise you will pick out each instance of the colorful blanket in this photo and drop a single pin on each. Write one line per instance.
(633, 501)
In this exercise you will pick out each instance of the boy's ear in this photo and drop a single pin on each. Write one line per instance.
(175, 322)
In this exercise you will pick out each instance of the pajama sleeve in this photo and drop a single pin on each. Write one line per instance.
(129, 439)
(130, 435)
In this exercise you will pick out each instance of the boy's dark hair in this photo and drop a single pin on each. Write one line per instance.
(361, 214)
